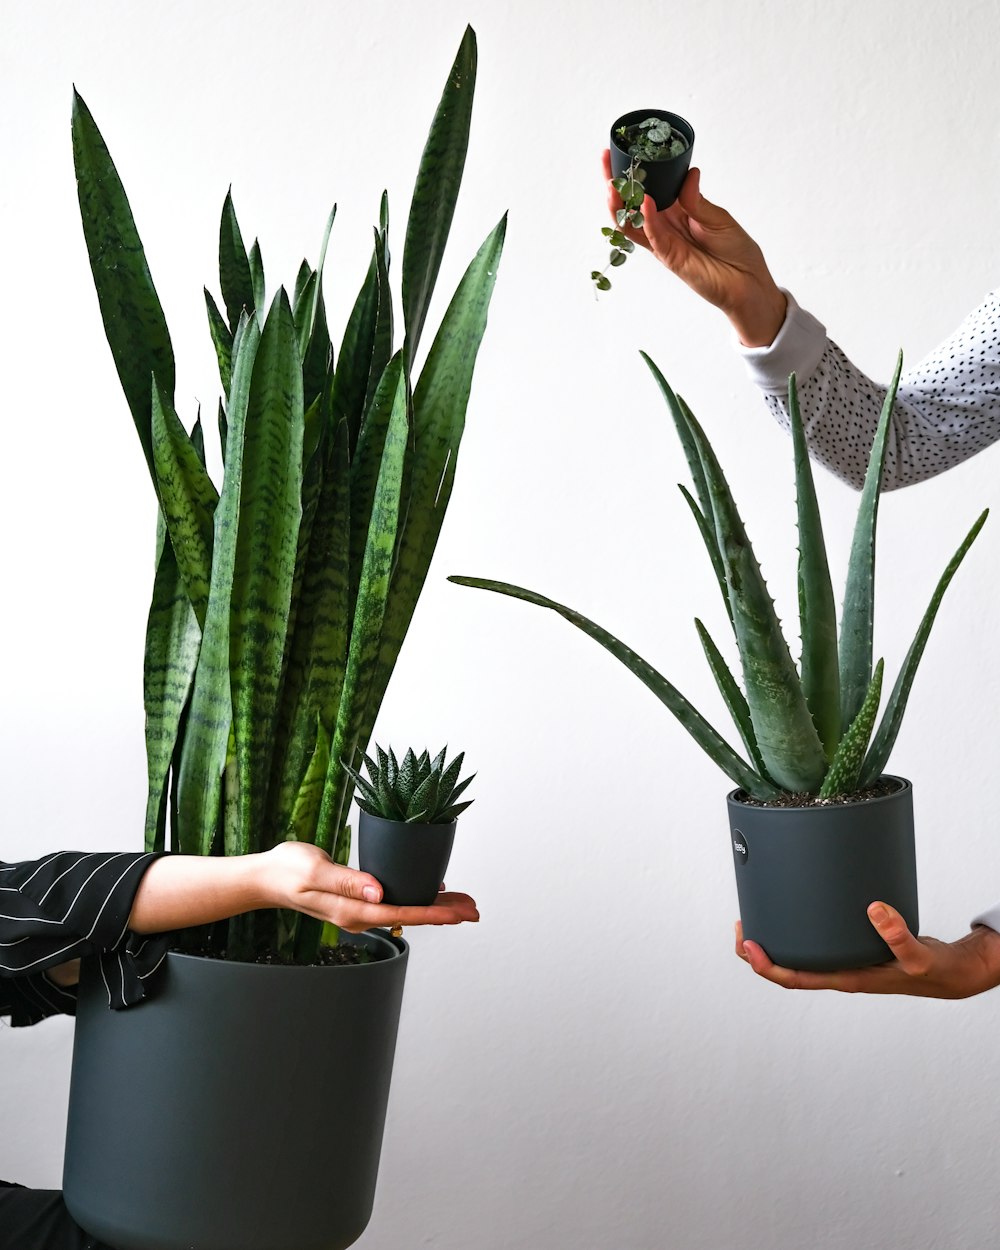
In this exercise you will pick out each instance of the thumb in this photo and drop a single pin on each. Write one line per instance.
(911, 953)
(357, 885)
(698, 208)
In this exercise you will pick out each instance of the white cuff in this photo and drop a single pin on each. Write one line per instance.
(797, 349)
(990, 918)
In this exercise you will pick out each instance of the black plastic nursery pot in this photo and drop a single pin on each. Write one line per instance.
(664, 179)
(240, 1108)
(806, 875)
(409, 861)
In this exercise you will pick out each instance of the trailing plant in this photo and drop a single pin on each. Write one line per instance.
(807, 729)
(653, 139)
(417, 791)
(281, 601)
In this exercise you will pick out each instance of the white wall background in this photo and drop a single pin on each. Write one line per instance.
(591, 1066)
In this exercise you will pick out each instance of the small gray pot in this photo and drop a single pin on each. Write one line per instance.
(241, 1107)
(409, 861)
(806, 875)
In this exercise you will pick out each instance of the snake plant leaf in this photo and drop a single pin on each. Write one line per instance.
(301, 282)
(383, 329)
(786, 736)
(858, 617)
(256, 263)
(435, 192)
(820, 664)
(209, 749)
(133, 318)
(222, 427)
(172, 642)
(312, 295)
(234, 266)
(846, 766)
(734, 697)
(317, 659)
(707, 532)
(318, 361)
(305, 809)
(222, 340)
(264, 566)
(440, 401)
(366, 462)
(369, 614)
(885, 737)
(303, 313)
(707, 738)
(187, 500)
(353, 364)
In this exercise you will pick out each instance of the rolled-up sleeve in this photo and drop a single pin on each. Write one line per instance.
(63, 907)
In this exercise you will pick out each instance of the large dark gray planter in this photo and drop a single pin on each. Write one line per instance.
(806, 875)
(409, 861)
(240, 1108)
(664, 179)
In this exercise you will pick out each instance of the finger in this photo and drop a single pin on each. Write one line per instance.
(789, 978)
(739, 940)
(606, 164)
(351, 883)
(698, 208)
(911, 954)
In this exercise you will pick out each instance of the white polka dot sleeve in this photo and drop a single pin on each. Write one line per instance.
(947, 406)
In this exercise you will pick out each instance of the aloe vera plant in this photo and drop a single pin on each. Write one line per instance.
(806, 728)
(281, 600)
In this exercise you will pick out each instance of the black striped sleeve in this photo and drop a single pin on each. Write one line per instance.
(63, 907)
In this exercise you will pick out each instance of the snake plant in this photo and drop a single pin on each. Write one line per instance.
(806, 729)
(281, 601)
(420, 790)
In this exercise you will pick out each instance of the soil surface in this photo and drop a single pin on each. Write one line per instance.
(877, 790)
(329, 956)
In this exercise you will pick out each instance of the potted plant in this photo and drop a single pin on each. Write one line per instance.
(818, 829)
(650, 155)
(280, 604)
(409, 814)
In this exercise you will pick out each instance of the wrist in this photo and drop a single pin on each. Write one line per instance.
(987, 946)
(759, 318)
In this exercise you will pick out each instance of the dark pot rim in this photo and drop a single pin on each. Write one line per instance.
(395, 948)
(636, 115)
(903, 786)
(402, 824)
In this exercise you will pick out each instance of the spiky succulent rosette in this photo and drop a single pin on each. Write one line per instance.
(418, 791)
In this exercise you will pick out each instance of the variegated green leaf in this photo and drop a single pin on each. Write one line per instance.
(846, 767)
(234, 266)
(222, 340)
(133, 318)
(734, 697)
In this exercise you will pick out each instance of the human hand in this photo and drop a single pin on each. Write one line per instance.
(301, 876)
(702, 244)
(922, 966)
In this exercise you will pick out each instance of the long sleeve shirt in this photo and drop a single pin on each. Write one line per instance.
(947, 406)
(60, 908)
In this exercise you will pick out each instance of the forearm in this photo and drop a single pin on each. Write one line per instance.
(182, 891)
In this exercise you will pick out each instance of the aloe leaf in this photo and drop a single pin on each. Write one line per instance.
(187, 500)
(707, 738)
(820, 670)
(460, 788)
(172, 642)
(234, 266)
(885, 737)
(133, 319)
(369, 614)
(266, 545)
(222, 340)
(440, 401)
(424, 798)
(438, 180)
(734, 698)
(707, 532)
(846, 767)
(857, 620)
(786, 736)
(256, 263)
(450, 775)
(208, 747)
(453, 813)
(680, 413)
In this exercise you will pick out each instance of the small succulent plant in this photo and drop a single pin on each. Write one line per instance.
(652, 140)
(417, 791)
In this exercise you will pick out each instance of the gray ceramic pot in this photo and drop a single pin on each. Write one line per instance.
(805, 877)
(240, 1108)
(409, 861)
